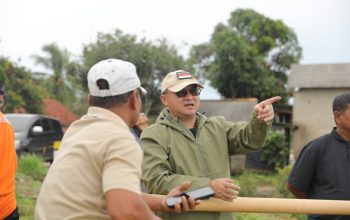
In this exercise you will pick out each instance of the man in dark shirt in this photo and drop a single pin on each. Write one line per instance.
(322, 170)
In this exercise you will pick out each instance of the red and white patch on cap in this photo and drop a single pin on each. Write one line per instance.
(184, 75)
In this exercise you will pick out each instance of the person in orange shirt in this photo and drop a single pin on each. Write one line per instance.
(8, 167)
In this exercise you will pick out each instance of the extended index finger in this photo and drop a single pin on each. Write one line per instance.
(271, 100)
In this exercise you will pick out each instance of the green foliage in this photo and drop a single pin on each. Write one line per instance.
(256, 184)
(276, 150)
(264, 184)
(63, 81)
(271, 216)
(248, 57)
(33, 166)
(30, 174)
(21, 89)
(267, 185)
(281, 181)
(153, 60)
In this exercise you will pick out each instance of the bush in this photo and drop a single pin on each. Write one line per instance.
(268, 185)
(33, 166)
(281, 181)
(276, 150)
(30, 174)
(256, 184)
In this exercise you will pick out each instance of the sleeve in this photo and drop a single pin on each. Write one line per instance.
(156, 169)
(304, 169)
(122, 165)
(247, 136)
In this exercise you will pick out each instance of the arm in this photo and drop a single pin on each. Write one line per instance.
(296, 192)
(246, 136)
(121, 176)
(243, 137)
(121, 204)
(302, 175)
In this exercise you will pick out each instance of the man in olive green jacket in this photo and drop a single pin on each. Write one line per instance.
(186, 145)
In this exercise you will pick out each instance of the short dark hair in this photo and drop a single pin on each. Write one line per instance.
(108, 101)
(341, 102)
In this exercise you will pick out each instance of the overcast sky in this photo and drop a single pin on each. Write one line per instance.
(322, 26)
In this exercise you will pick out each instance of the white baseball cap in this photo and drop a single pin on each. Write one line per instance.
(120, 75)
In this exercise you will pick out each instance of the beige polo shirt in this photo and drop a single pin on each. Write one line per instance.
(98, 153)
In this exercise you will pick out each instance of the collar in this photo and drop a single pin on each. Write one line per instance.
(165, 114)
(97, 112)
(335, 134)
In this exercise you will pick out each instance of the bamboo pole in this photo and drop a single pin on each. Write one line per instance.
(276, 205)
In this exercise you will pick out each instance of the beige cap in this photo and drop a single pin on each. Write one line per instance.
(177, 80)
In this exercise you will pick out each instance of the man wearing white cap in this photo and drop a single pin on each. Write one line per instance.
(184, 144)
(98, 170)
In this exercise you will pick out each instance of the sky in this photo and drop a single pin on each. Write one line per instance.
(322, 26)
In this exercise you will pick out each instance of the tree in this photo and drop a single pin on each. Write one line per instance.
(20, 87)
(153, 60)
(248, 57)
(63, 80)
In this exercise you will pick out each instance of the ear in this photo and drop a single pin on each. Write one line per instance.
(133, 100)
(164, 100)
(89, 99)
(337, 117)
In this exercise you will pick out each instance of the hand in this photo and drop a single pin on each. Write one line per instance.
(264, 109)
(225, 189)
(186, 205)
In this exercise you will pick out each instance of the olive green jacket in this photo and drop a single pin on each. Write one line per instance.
(173, 155)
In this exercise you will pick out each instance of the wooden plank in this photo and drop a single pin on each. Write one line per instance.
(276, 205)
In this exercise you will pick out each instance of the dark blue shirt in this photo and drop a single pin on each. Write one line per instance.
(322, 170)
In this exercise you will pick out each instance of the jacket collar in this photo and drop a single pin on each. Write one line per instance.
(166, 119)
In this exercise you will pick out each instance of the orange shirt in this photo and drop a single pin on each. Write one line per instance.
(8, 167)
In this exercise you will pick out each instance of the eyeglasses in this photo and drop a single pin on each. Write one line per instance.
(195, 91)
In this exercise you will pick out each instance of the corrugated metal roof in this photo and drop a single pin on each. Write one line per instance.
(319, 76)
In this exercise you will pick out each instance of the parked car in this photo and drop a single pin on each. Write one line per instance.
(36, 134)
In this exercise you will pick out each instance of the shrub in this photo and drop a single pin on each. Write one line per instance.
(33, 166)
(281, 181)
(276, 150)
(256, 184)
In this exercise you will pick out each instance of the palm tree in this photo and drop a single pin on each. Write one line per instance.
(63, 76)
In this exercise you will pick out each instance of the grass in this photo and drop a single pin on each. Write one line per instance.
(272, 216)
(32, 170)
(30, 174)
(265, 185)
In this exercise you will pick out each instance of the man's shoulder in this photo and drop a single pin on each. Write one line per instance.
(154, 129)
(320, 140)
(317, 144)
(214, 119)
(154, 126)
